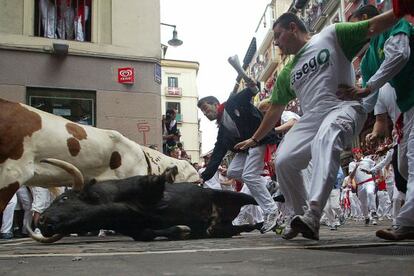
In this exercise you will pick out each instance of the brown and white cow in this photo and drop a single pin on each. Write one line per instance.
(28, 135)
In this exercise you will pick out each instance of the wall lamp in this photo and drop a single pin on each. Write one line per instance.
(60, 49)
(174, 41)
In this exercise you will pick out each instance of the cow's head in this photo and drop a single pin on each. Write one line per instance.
(97, 205)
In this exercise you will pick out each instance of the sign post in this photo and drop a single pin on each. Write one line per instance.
(144, 127)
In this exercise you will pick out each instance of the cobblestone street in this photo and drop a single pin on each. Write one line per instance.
(353, 249)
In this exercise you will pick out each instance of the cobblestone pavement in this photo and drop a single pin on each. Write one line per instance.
(248, 254)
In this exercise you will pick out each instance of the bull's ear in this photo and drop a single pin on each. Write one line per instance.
(88, 194)
(170, 174)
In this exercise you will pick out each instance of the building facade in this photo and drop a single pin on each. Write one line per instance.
(91, 61)
(179, 92)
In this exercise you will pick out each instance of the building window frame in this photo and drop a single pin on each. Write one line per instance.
(75, 105)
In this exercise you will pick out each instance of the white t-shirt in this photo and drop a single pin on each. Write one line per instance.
(288, 115)
(365, 163)
(317, 70)
(387, 102)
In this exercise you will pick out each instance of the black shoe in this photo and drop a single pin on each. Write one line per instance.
(6, 236)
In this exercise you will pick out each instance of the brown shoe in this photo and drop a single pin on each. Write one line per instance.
(396, 234)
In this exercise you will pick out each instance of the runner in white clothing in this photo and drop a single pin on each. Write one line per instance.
(321, 64)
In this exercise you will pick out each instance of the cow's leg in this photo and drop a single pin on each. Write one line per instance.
(177, 232)
(6, 194)
(13, 174)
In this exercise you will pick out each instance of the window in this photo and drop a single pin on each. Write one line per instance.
(63, 19)
(77, 106)
(176, 106)
(172, 82)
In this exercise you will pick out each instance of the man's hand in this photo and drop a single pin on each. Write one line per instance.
(351, 93)
(245, 144)
(371, 138)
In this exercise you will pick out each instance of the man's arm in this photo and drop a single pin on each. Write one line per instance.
(381, 23)
(286, 126)
(397, 53)
(353, 169)
(268, 122)
(380, 128)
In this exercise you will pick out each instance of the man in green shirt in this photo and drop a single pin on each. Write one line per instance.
(320, 65)
(389, 58)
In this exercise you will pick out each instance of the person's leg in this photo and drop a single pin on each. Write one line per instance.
(6, 229)
(293, 156)
(335, 133)
(235, 169)
(371, 201)
(256, 183)
(363, 199)
(25, 199)
(400, 181)
(406, 215)
(333, 137)
(405, 218)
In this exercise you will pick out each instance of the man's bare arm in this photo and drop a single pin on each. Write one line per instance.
(286, 126)
(381, 23)
(380, 128)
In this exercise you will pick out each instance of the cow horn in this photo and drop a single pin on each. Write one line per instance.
(40, 238)
(71, 169)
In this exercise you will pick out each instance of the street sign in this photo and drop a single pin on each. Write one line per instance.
(126, 75)
(143, 127)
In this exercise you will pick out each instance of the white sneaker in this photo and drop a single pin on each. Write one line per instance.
(269, 222)
(308, 224)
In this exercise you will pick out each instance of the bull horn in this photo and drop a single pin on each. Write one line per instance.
(40, 238)
(71, 169)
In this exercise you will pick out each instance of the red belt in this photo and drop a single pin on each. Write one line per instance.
(365, 181)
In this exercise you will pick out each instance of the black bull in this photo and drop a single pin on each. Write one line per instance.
(146, 207)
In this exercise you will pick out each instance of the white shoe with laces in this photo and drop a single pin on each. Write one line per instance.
(270, 222)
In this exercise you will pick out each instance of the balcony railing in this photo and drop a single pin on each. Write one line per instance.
(317, 11)
(173, 91)
(265, 64)
(264, 28)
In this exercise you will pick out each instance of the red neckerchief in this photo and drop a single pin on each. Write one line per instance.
(220, 110)
(399, 125)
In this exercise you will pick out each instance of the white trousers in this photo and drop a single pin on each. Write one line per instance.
(332, 208)
(406, 168)
(8, 215)
(320, 136)
(367, 197)
(384, 204)
(25, 200)
(248, 167)
(249, 214)
(355, 206)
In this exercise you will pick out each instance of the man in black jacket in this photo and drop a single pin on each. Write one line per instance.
(238, 119)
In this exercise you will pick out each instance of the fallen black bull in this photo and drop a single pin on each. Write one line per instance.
(142, 207)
